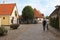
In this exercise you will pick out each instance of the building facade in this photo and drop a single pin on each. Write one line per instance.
(56, 16)
(38, 16)
(7, 11)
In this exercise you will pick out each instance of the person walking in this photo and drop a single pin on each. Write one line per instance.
(47, 24)
(44, 23)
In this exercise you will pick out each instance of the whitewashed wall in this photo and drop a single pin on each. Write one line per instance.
(13, 15)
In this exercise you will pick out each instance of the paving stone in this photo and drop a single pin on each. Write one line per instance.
(30, 32)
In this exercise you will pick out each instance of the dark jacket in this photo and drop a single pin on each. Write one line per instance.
(44, 22)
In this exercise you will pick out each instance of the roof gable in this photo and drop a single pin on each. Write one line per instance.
(37, 14)
(6, 9)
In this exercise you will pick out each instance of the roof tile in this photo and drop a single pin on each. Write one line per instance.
(6, 9)
(37, 14)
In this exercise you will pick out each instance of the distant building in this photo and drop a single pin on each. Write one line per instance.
(38, 16)
(7, 12)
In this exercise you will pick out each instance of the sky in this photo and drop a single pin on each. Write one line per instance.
(46, 7)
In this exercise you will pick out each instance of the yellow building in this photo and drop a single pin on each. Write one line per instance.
(7, 11)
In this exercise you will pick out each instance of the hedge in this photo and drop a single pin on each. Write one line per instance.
(54, 22)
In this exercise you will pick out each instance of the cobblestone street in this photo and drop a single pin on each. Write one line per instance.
(30, 32)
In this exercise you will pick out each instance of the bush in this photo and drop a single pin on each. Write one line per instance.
(14, 26)
(54, 22)
(3, 31)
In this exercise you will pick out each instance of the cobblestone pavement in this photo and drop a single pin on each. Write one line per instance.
(13, 34)
(30, 32)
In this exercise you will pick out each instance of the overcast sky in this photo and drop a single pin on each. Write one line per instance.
(44, 6)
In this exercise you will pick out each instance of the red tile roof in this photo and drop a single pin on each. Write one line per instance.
(6, 9)
(37, 14)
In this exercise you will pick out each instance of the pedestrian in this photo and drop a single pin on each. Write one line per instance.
(47, 27)
(44, 23)
(47, 24)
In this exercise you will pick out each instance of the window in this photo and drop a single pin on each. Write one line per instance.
(15, 13)
(3, 17)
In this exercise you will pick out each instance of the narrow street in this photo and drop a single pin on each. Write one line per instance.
(30, 32)
(35, 32)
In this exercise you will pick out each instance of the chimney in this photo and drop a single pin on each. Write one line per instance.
(58, 6)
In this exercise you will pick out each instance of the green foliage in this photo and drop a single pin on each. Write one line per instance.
(27, 13)
(14, 26)
(54, 22)
(3, 31)
(47, 17)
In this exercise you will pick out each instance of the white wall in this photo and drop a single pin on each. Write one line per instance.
(13, 15)
(39, 20)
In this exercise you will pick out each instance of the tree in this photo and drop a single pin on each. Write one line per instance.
(27, 13)
(47, 17)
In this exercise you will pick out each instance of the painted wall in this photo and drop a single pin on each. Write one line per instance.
(13, 12)
(4, 19)
(39, 20)
(7, 19)
(13, 15)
